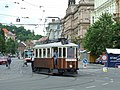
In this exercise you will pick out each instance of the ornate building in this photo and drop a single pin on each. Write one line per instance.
(77, 19)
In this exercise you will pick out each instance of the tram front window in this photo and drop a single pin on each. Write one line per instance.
(70, 52)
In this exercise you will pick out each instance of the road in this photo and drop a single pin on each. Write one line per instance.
(90, 78)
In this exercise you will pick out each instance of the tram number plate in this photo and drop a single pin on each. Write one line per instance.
(71, 59)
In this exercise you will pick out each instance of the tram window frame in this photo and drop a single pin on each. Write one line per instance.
(76, 53)
(40, 52)
(60, 52)
(70, 52)
(44, 52)
(36, 52)
(48, 52)
(64, 52)
(25, 54)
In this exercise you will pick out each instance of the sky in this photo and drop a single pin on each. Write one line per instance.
(32, 12)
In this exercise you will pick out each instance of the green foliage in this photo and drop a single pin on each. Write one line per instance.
(2, 41)
(116, 35)
(99, 35)
(11, 46)
(21, 33)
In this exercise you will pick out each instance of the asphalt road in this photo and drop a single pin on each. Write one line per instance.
(90, 78)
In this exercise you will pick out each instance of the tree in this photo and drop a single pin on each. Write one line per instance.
(2, 41)
(99, 35)
(11, 46)
(116, 35)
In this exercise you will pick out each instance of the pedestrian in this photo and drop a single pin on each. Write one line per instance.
(32, 62)
(8, 62)
(55, 56)
(25, 63)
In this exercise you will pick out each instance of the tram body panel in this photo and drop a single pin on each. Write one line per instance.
(44, 63)
(62, 64)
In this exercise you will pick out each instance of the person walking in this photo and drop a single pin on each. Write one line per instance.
(32, 62)
(8, 62)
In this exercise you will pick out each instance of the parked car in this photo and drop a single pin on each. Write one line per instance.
(3, 59)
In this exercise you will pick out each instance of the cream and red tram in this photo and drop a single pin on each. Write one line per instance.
(66, 61)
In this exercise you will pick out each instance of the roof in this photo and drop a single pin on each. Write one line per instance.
(113, 51)
(22, 44)
(42, 39)
(56, 44)
(5, 30)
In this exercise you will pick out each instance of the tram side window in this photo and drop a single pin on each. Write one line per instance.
(48, 52)
(70, 52)
(36, 52)
(64, 52)
(44, 52)
(60, 52)
(76, 53)
(26, 55)
(40, 53)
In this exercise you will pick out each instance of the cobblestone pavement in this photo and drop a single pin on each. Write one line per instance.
(16, 70)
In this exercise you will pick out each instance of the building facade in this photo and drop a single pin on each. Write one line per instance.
(54, 29)
(77, 19)
(102, 6)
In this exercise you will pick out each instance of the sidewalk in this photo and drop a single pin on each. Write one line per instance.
(90, 65)
(16, 70)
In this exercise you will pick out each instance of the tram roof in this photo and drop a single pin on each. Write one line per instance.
(56, 44)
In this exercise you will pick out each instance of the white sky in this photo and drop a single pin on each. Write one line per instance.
(52, 8)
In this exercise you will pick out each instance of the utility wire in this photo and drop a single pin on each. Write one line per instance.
(8, 15)
(32, 4)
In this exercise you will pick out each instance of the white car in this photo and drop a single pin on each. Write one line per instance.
(3, 60)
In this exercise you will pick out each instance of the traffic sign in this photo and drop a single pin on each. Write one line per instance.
(85, 61)
(104, 57)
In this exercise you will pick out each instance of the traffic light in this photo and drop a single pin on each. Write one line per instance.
(18, 19)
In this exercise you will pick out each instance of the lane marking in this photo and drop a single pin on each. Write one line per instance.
(111, 80)
(90, 87)
(105, 84)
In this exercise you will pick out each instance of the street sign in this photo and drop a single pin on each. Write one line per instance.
(85, 61)
(104, 57)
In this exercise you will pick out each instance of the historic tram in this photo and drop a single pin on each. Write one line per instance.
(27, 55)
(66, 60)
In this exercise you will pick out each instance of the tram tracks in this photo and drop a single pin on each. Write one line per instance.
(66, 86)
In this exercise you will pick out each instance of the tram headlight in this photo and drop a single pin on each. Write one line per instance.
(70, 66)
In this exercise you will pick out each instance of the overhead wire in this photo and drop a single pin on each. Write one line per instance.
(32, 4)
